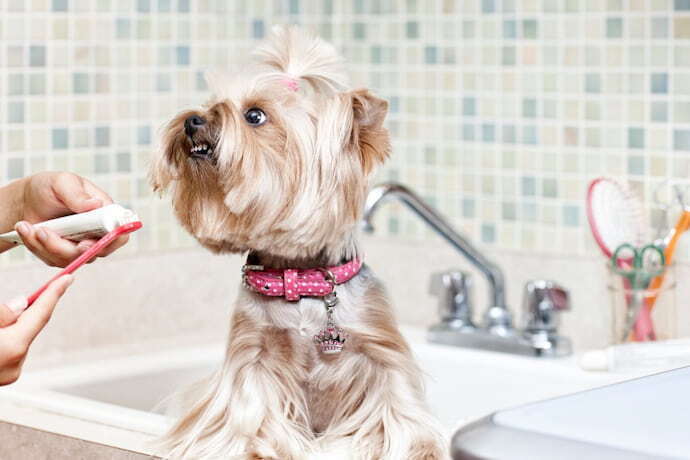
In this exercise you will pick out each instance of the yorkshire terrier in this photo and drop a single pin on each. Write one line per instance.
(276, 165)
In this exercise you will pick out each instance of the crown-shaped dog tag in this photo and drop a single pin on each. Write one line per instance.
(330, 339)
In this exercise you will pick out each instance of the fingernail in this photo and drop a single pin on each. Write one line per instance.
(22, 227)
(18, 304)
(94, 201)
(69, 279)
(42, 235)
(84, 245)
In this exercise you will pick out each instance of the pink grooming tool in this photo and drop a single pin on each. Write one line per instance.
(88, 255)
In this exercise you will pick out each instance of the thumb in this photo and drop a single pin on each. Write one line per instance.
(70, 189)
(30, 323)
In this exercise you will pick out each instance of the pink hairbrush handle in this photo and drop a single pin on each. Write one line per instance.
(88, 255)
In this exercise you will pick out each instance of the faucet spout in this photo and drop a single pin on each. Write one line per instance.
(497, 318)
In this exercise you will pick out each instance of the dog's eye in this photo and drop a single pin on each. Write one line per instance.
(255, 117)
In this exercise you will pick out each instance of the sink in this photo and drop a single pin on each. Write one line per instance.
(129, 393)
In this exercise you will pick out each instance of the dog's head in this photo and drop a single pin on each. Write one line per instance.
(277, 160)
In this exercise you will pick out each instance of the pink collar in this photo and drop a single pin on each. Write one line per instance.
(293, 284)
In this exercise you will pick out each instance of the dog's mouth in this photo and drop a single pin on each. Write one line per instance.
(204, 150)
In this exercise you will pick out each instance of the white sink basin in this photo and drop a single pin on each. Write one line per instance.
(126, 393)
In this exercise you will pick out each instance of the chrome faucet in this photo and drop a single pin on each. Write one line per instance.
(453, 288)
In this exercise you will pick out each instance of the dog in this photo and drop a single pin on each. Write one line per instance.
(277, 165)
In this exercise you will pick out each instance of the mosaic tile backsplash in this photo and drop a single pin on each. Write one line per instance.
(501, 110)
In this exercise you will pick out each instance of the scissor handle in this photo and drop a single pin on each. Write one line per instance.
(640, 262)
(624, 265)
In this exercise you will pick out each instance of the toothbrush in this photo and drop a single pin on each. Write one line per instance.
(88, 255)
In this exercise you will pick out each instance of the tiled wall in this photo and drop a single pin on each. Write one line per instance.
(501, 110)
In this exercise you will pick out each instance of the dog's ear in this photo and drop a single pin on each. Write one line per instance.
(161, 170)
(369, 136)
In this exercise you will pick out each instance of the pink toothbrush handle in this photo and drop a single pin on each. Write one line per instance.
(644, 326)
(88, 255)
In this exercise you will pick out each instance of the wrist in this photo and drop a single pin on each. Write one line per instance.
(14, 196)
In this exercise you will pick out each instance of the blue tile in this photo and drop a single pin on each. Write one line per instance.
(468, 208)
(201, 84)
(659, 111)
(636, 138)
(15, 112)
(163, 82)
(529, 212)
(660, 28)
(359, 7)
(614, 28)
(468, 132)
(430, 54)
(15, 168)
(294, 7)
(529, 29)
(488, 6)
(488, 133)
(143, 135)
(571, 215)
(15, 84)
(549, 188)
(102, 136)
(376, 55)
(80, 83)
(488, 233)
(60, 5)
(258, 28)
(529, 135)
(182, 53)
(681, 139)
(659, 83)
(144, 6)
(164, 6)
(60, 138)
(359, 31)
(394, 104)
(636, 165)
(681, 5)
(509, 134)
(183, 6)
(123, 162)
(412, 29)
(469, 106)
(529, 108)
(328, 7)
(593, 83)
(123, 28)
(37, 56)
(529, 186)
(508, 211)
(509, 29)
(508, 55)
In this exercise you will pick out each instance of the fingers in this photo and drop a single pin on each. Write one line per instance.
(11, 310)
(34, 319)
(48, 246)
(114, 246)
(96, 192)
(71, 190)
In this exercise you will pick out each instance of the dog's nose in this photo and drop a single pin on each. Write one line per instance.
(192, 124)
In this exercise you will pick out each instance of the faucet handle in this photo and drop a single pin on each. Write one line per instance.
(453, 288)
(543, 301)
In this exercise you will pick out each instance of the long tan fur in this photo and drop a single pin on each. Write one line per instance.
(290, 192)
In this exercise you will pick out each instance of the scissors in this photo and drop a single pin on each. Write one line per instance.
(639, 266)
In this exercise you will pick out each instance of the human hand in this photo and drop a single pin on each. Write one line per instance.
(19, 328)
(55, 194)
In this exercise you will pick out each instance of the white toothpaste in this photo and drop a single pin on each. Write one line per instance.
(88, 225)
